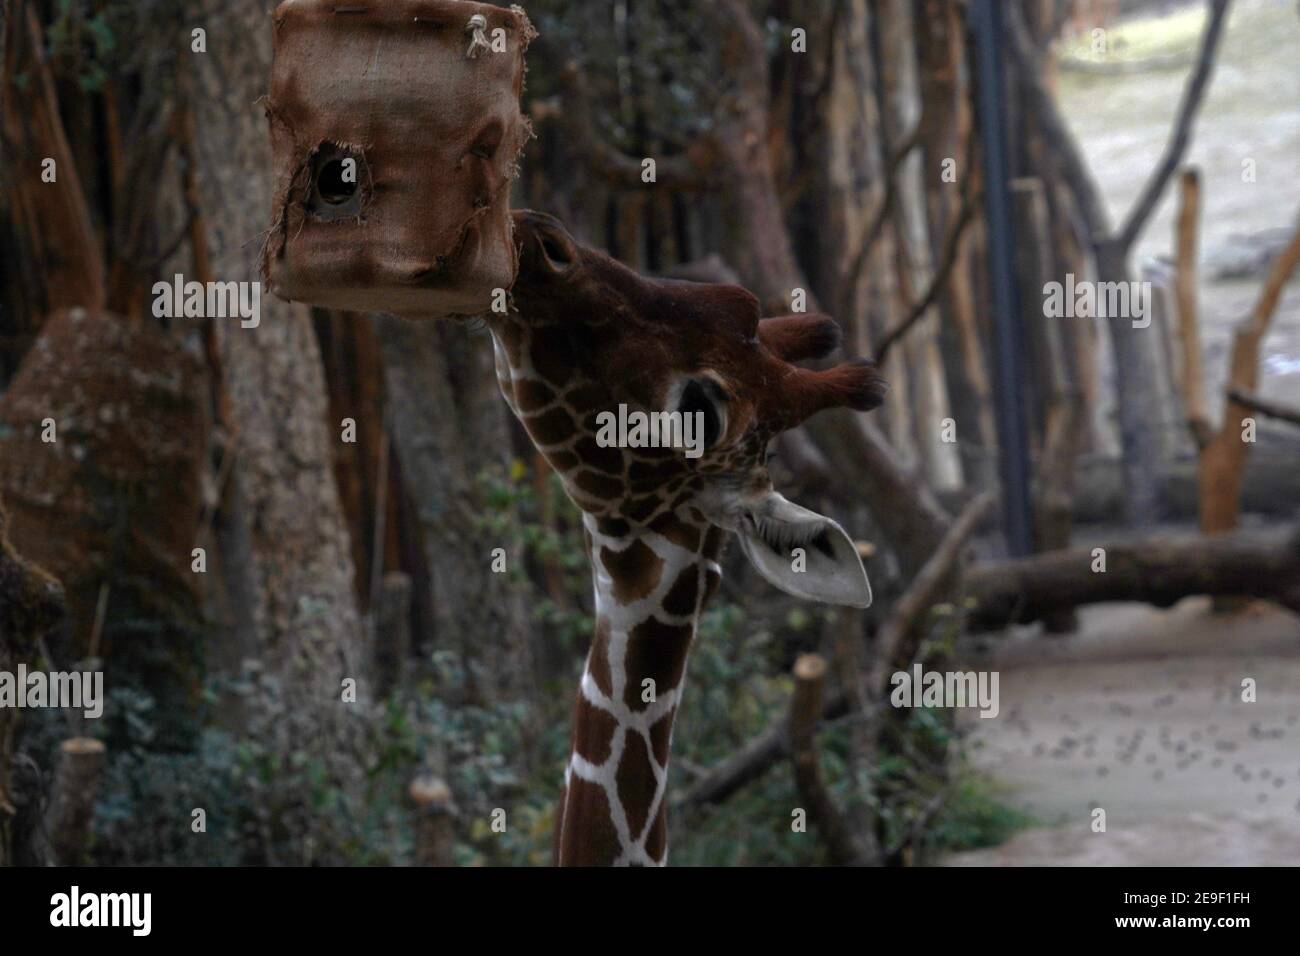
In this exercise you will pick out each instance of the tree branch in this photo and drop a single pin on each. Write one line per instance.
(950, 249)
(1193, 95)
(892, 644)
(1285, 413)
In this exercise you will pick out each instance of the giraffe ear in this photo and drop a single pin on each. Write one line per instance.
(804, 553)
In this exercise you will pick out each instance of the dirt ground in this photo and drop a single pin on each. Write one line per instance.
(1141, 714)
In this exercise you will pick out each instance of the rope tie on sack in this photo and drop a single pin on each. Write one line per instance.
(479, 42)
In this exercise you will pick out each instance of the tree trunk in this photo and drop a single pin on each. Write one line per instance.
(449, 427)
(286, 548)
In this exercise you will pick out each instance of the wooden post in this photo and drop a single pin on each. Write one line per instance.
(72, 800)
(805, 715)
(1193, 375)
(1224, 460)
(435, 825)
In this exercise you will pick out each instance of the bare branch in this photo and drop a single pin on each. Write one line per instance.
(951, 247)
(892, 645)
(1193, 95)
(1284, 413)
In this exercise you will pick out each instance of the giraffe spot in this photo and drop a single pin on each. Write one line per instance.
(635, 571)
(553, 357)
(562, 461)
(598, 486)
(680, 599)
(655, 472)
(608, 460)
(531, 395)
(661, 734)
(590, 420)
(593, 731)
(588, 395)
(613, 527)
(552, 428)
(677, 531)
(587, 834)
(656, 842)
(598, 658)
(639, 510)
(657, 651)
(636, 783)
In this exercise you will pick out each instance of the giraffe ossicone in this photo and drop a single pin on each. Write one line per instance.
(587, 336)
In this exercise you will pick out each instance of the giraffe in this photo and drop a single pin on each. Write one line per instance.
(584, 335)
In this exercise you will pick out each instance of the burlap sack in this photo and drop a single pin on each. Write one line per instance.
(419, 101)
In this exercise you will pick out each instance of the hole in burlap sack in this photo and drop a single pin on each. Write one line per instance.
(338, 182)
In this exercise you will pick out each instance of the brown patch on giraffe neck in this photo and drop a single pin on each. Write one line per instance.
(589, 838)
(550, 428)
(598, 658)
(593, 731)
(680, 601)
(636, 783)
(661, 735)
(532, 395)
(635, 571)
(655, 651)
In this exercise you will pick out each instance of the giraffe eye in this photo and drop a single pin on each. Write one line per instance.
(704, 396)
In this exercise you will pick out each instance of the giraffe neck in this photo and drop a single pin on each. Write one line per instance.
(649, 592)
(651, 581)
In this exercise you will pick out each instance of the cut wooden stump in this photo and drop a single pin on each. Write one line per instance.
(435, 825)
(72, 801)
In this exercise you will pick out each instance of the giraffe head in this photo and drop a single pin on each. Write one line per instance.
(599, 342)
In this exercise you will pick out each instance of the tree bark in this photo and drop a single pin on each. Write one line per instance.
(449, 428)
(286, 547)
(31, 602)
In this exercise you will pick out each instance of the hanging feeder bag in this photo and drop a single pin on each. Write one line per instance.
(395, 132)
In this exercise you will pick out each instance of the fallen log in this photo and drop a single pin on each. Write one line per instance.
(1271, 485)
(1154, 570)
